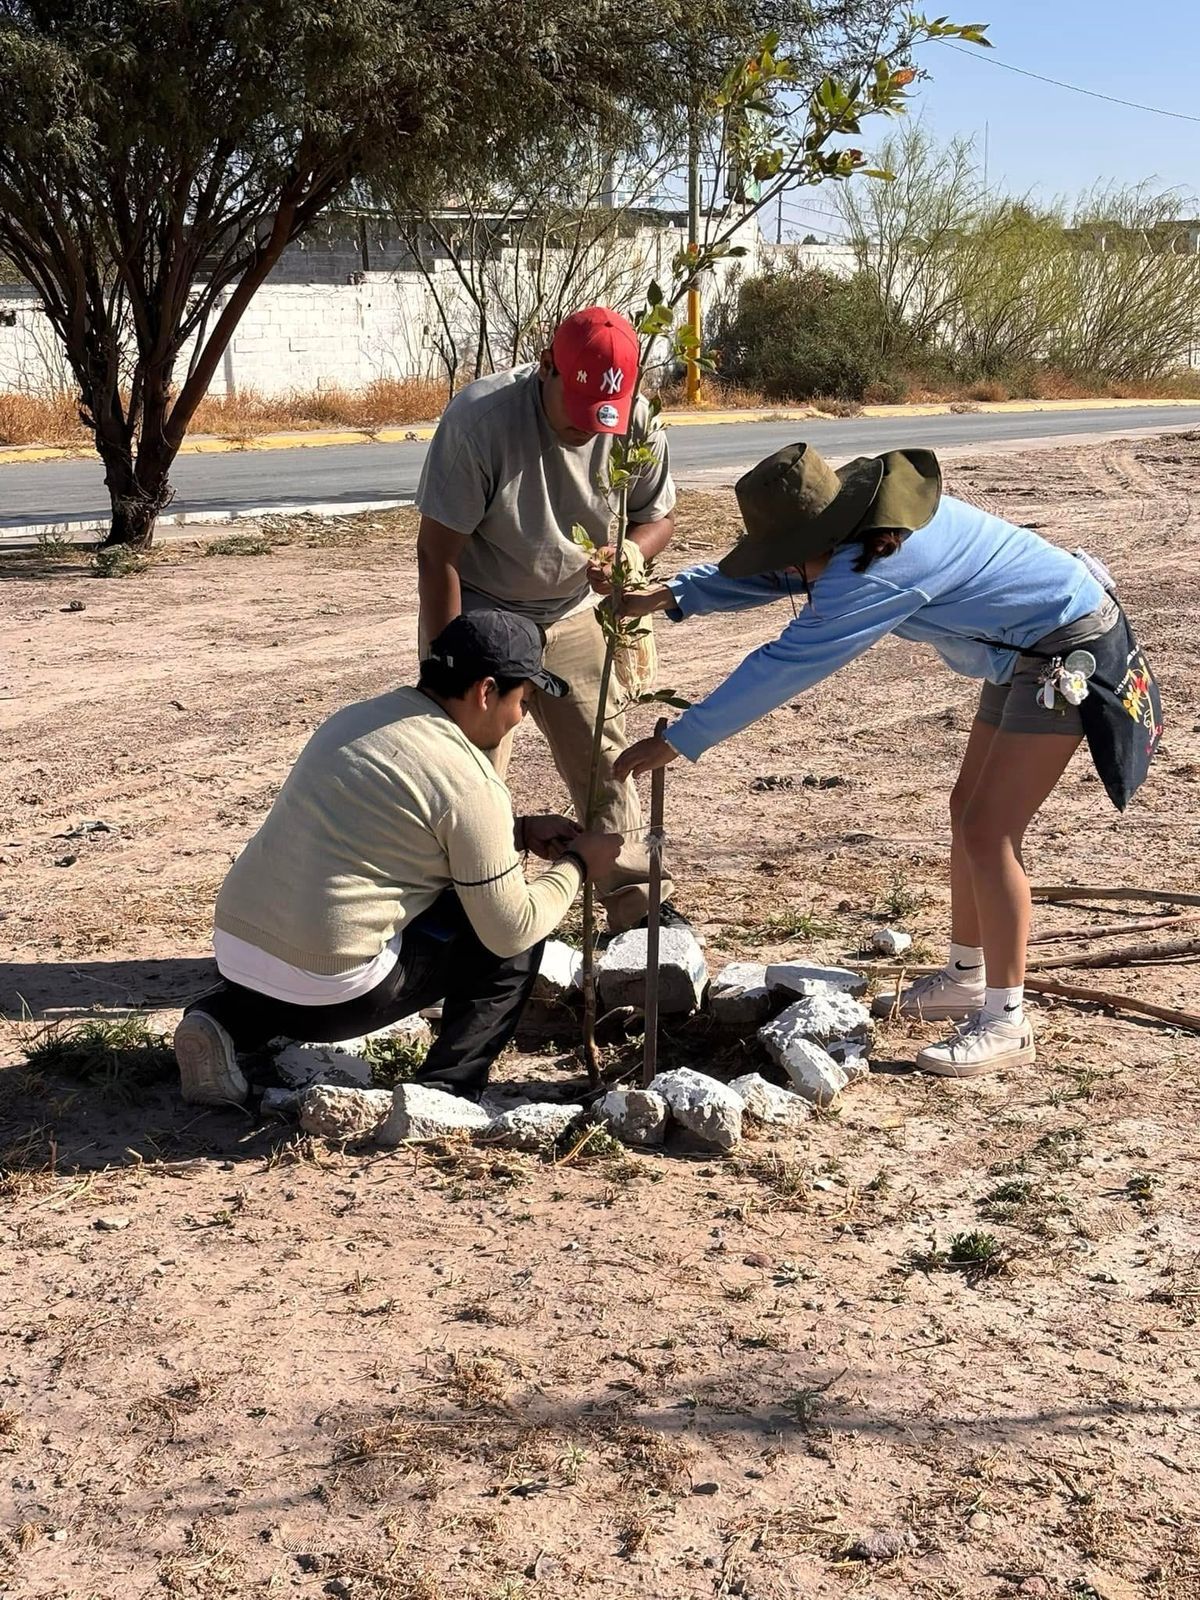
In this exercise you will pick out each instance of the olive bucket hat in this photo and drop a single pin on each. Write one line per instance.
(796, 506)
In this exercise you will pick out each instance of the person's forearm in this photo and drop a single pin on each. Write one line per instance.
(440, 593)
(651, 538)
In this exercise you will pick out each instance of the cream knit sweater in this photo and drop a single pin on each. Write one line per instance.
(388, 804)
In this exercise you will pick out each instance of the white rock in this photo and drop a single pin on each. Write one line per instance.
(280, 1102)
(706, 1108)
(300, 1064)
(738, 996)
(502, 1097)
(635, 1116)
(814, 1073)
(420, 1111)
(682, 973)
(799, 980)
(559, 972)
(533, 1126)
(829, 1016)
(890, 941)
(849, 1055)
(333, 1113)
(767, 1102)
(303, 1065)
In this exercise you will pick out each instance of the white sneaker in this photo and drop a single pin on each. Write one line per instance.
(939, 997)
(980, 1045)
(209, 1074)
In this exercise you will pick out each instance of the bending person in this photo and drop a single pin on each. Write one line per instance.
(387, 877)
(879, 550)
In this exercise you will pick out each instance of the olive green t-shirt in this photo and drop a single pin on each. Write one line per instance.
(497, 472)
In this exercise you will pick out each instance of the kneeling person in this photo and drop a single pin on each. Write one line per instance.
(387, 876)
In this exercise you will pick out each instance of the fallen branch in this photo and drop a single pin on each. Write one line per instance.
(1075, 891)
(1116, 1002)
(1111, 930)
(1121, 955)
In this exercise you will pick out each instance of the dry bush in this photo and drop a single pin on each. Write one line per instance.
(50, 419)
(387, 402)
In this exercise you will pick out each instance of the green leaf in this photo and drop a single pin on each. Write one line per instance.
(583, 538)
(665, 697)
(654, 294)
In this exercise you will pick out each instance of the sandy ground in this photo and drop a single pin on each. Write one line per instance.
(233, 1363)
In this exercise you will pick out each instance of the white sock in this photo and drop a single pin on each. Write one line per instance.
(1005, 1005)
(965, 965)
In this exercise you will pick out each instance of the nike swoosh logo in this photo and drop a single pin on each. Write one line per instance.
(1012, 1008)
(961, 967)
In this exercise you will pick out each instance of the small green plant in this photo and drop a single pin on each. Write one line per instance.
(1140, 1187)
(394, 1060)
(781, 927)
(53, 544)
(118, 561)
(979, 1255)
(1062, 1147)
(976, 1250)
(899, 900)
(120, 1056)
(239, 544)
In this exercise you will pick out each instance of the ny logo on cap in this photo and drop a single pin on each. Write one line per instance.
(581, 376)
(612, 380)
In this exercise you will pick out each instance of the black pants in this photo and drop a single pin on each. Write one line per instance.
(441, 958)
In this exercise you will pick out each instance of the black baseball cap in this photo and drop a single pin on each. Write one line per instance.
(497, 644)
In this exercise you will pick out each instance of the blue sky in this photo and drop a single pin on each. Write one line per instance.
(1049, 140)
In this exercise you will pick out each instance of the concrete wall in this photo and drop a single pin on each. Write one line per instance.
(330, 332)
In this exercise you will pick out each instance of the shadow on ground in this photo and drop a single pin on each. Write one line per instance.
(47, 989)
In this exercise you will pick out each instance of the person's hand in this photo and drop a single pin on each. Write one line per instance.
(599, 570)
(548, 836)
(644, 756)
(599, 850)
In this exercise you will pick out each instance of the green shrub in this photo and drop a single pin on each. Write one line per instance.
(798, 332)
(119, 561)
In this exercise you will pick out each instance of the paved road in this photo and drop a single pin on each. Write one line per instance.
(349, 475)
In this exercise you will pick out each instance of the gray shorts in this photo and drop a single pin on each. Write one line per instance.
(1015, 708)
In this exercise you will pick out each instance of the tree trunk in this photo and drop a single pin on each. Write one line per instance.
(138, 486)
(138, 492)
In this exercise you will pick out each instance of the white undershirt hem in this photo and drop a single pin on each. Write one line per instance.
(244, 963)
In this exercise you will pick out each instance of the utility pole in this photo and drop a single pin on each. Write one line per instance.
(693, 293)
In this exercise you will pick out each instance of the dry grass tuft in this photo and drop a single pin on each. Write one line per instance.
(480, 1382)
(206, 1569)
(386, 403)
(163, 1411)
(51, 419)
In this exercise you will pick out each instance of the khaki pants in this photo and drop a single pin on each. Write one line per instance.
(575, 651)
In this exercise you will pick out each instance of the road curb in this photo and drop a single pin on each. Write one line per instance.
(80, 530)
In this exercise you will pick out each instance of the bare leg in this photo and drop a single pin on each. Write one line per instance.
(964, 915)
(1019, 772)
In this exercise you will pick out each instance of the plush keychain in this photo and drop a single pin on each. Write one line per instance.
(1067, 678)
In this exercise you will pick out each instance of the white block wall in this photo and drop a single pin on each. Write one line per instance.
(313, 336)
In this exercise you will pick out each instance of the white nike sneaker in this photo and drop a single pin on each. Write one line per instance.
(209, 1074)
(938, 997)
(980, 1045)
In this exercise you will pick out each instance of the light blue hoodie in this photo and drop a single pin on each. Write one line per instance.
(966, 576)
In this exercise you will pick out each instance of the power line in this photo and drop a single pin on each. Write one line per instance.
(1093, 94)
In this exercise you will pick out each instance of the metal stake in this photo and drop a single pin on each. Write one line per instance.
(658, 780)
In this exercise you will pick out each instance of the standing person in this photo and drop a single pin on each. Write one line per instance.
(878, 549)
(387, 876)
(517, 461)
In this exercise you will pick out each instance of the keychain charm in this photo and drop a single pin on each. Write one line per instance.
(1067, 678)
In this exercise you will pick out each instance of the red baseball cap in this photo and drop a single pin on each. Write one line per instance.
(596, 354)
